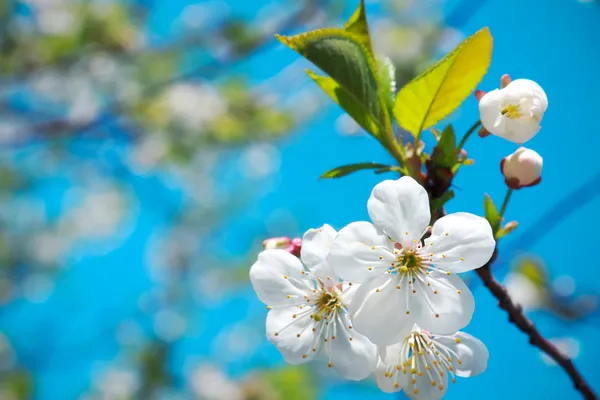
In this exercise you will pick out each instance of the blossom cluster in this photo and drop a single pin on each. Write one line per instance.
(382, 297)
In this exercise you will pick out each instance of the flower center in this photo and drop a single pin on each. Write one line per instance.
(512, 111)
(326, 303)
(426, 360)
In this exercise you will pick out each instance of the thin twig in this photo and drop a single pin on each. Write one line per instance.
(518, 318)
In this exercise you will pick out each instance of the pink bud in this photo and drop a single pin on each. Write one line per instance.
(522, 168)
(505, 80)
(479, 94)
(284, 243)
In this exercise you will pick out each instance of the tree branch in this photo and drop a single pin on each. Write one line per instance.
(518, 318)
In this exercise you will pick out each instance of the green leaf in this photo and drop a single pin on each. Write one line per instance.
(358, 26)
(491, 212)
(534, 271)
(439, 202)
(351, 168)
(349, 103)
(343, 57)
(438, 91)
(445, 154)
(506, 229)
(387, 81)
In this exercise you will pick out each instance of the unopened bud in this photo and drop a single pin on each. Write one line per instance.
(522, 168)
(284, 243)
(510, 226)
(505, 80)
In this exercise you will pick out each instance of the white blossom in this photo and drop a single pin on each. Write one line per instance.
(406, 280)
(514, 112)
(422, 364)
(522, 168)
(309, 307)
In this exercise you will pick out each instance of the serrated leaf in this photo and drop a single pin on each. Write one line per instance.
(438, 91)
(358, 26)
(439, 202)
(351, 168)
(445, 153)
(387, 81)
(349, 103)
(491, 213)
(343, 57)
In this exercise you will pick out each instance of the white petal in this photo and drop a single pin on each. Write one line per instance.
(519, 130)
(356, 251)
(440, 308)
(471, 352)
(489, 110)
(278, 274)
(460, 242)
(423, 389)
(283, 329)
(400, 208)
(532, 87)
(385, 383)
(381, 315)
(316, 244)
(350, 353)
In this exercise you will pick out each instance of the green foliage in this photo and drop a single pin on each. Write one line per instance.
(438, 91)
(534, 271)
(291, 383)
(445, 153)
(491, 213)
(346, 56)
(351, 168)
(387, 81)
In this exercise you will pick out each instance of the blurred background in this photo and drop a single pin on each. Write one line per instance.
(147, 147)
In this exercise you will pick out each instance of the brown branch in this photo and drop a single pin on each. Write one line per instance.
(518, 318)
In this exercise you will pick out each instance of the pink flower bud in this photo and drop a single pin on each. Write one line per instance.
(284, 243)
(522, 168)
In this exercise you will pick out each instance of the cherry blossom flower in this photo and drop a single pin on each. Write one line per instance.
(309, 307)
(515, 111)
(522, 168)
(406, 280)
(422, 364)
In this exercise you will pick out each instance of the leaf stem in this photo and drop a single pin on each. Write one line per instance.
(505, 202)
(468, 134)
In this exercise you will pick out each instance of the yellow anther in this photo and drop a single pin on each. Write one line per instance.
(398, 287)
(408, 313)
(330, 365)
(435, 292)
(446, 233)
(288, 296)
(333, 338)
(413, 370)
(427, 367)
(377, 290)
(329, 278)
(429, 227)
(512, 111)
(413, 380)
(441, 387)
(372, 247)
(453, 380)
(386, 374)
(443, 256)
(304, 355)
(428, 283)
(294, 316)
(403, 269)
(437, 315)
(458, 291)
(269, 307)
(398, 367)
(457, 340)
(370, 268)
(276, 333)
(462, 259)
(433, 383)
(350, 339)
(449, 359)
(459, 361)
(416, 391)
(447, 272)
(414, 291)
(349, 283)
(325, 340)
(406, 233)
(381, 257)
(314, 349)
(349, 326)
(450, 368)
(396, 385)
(414, 240)
(298, 335)
(285, 277)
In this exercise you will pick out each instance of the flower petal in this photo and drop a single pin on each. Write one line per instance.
(388, 384)
(290, 329)
(471, 352)
(350, 353)
(400, 208)
(460, 242)
(316, 244)
(444, 307)
(276, 275)
(359, 252)
(422, 388)
(489, 110)
(378, 310)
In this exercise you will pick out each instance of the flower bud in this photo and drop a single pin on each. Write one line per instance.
(522, 168)
(285, 243)
(515, 111)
